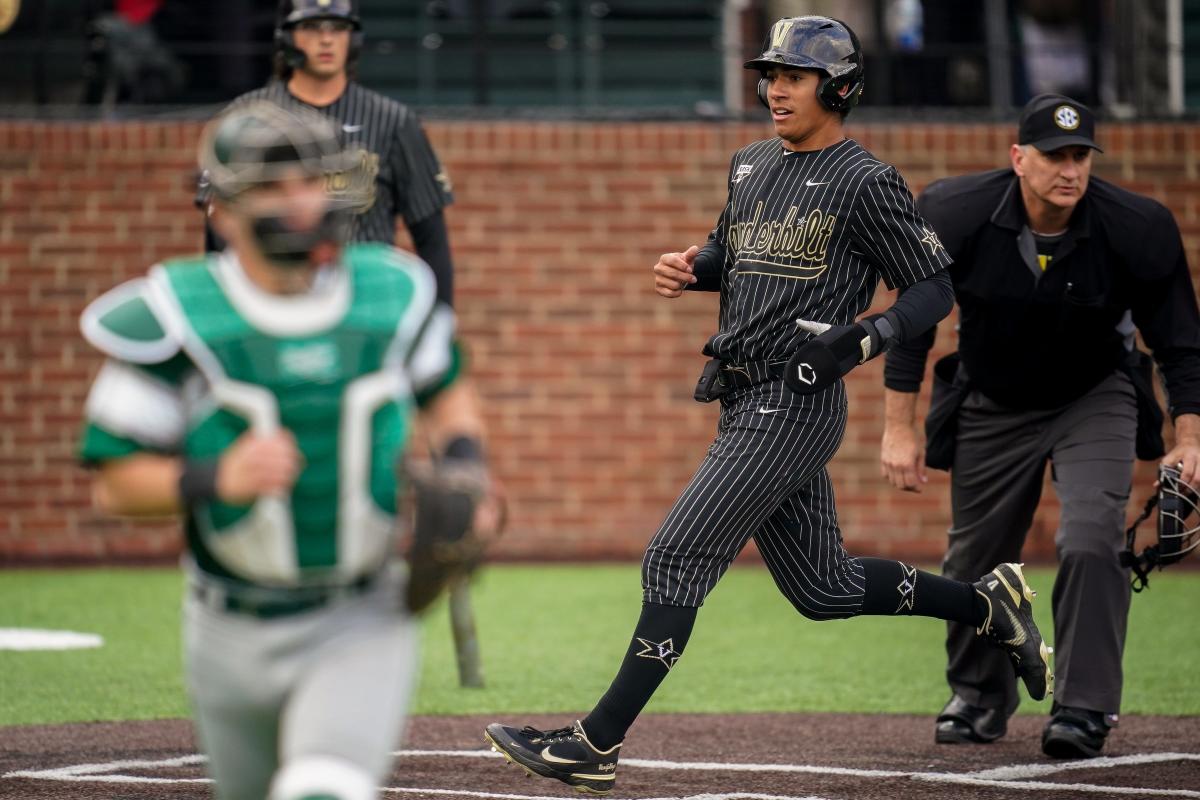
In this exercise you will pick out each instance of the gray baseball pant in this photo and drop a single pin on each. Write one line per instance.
(333, 683)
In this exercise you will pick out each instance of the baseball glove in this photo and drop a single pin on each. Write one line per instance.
(1178, 530)
(443, 545)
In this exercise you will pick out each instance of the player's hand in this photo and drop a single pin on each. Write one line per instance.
(902, 458)
(674, 271)
(258, 465)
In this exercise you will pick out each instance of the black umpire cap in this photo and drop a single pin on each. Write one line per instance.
(1051, 121)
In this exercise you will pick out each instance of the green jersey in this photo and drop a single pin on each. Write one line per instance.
(198, 355)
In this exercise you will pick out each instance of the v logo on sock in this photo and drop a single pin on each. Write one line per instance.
(663, 651)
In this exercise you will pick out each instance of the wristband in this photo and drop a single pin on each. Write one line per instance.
(198, 481)
(464, 448)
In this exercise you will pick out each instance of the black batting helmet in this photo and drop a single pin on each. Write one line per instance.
(819, 43)
(293, 12)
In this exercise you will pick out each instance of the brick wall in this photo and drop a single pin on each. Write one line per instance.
(587, 374)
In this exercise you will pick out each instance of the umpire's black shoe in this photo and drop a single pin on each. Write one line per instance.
(1074, 733)
(962, 723)
(1009, 623)
(565, 754)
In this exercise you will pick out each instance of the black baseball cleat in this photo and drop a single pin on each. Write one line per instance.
(1009, 623)
(1075, 732)
(565, 754)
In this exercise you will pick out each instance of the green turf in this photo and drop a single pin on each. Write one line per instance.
(551, 637)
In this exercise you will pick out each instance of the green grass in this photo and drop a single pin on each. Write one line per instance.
(551, 637)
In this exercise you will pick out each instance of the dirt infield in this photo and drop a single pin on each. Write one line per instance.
(714, 757)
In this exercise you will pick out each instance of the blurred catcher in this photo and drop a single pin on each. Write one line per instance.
(267, 395)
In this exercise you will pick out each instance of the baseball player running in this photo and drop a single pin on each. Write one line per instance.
(812, 223)
(265, 394)
(317, 44)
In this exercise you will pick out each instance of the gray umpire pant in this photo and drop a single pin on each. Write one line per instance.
(996, 483)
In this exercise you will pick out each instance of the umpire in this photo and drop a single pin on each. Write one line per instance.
(1053, 271)
(317, 44)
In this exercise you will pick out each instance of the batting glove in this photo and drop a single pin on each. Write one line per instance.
(834, 351)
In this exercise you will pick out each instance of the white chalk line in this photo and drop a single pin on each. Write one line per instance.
(1010, 777)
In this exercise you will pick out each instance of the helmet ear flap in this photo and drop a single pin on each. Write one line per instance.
(839, 94)
(761, 91)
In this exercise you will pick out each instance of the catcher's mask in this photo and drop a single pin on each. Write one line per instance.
(821, 43)
(293, 12)
(262, 143)
(1178, 527)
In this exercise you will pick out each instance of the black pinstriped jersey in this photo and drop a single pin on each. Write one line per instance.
(409, 180)
(808, 235)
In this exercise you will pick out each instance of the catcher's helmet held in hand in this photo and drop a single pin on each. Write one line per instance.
(1178, 527)
(819, 43)
(293, 12)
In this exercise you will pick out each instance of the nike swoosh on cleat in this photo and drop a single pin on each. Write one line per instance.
(553, 759)
(1020, 638)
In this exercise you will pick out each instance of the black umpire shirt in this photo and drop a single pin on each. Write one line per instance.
(1037, 333)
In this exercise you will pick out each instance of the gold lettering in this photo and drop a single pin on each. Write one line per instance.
(795, 246)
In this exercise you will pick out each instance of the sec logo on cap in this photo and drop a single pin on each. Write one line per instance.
(1066, 118)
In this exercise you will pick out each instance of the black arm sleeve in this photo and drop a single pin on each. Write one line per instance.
(915, 316)
(707, 267)
(1164, 310)
(433, 246)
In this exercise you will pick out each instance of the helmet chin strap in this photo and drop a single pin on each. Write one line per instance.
(291, 248)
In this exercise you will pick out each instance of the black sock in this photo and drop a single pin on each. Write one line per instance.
(893, 587)
(661, 634)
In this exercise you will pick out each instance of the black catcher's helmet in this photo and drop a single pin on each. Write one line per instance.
(293, 12)
(819, 43)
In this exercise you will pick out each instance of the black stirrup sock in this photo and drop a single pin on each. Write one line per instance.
(661, 634)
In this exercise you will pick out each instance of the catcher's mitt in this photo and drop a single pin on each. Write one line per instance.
(1176, 502)
(443, 545)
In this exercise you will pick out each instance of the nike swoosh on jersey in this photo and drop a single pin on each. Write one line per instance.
(770, 410)
(815, 183)
(352, 128)
(553, 759)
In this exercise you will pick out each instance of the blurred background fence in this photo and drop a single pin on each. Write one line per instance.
(610, 57)
(561, 210)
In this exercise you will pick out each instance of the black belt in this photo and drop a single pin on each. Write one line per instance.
(739, 376)
(270, 602)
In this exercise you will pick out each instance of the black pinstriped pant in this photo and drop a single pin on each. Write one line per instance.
(764, 477)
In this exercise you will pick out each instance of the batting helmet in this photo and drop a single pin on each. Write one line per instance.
(262, 142)
(819, 43)
(293, 12)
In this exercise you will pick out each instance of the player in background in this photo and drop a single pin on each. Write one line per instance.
(317, 45)
(1053, 271)
(266, 394)
(812, 223)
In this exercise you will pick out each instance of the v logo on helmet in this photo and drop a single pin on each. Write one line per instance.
(779, 33)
